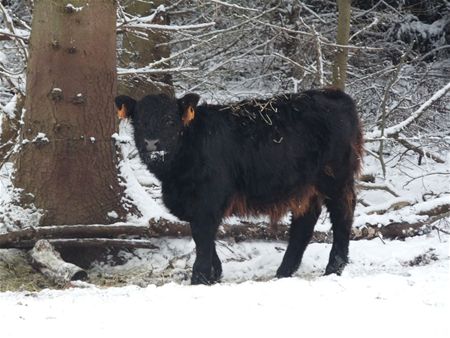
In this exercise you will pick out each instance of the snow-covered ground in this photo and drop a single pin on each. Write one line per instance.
(391, 289)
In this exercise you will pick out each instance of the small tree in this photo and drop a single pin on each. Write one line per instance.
(343, 33)
(67, 163)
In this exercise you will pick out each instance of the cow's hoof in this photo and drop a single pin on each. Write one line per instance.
(283, 272)
(336, 266)
(199, 278)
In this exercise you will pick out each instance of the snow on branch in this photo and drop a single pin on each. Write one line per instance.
(13, 32)
(163, 60)
(149, 70)
(174, 28)
(418, 150)
(395, 130)
(4, 35)
(223, 3)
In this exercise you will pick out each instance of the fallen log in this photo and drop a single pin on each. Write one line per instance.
(46, 259)
(10, 239)
(133, 236)
(91, 243)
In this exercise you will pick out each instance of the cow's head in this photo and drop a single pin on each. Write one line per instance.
(155, 119)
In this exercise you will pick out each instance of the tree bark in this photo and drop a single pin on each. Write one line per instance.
(67, 165)
(343, 33)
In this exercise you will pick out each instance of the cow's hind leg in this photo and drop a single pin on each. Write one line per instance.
(207, 267)
(217, 266)
(341, 208)
(301, 231)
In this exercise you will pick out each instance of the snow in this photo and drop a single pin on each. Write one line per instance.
(147, 198)
(41, 137)
(71, 8)
(13, 215)
(9, 108)
(112, 214)
(385, 291)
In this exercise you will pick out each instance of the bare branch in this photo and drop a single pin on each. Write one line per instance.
(223, 3)
(418, 150)
(172, 28)
(374, 186)
(12, 29)
(395, 130)
(148, 70)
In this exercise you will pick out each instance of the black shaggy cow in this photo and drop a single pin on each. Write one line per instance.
(291, 153)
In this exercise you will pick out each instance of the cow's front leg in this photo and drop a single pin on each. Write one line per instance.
(207, 268)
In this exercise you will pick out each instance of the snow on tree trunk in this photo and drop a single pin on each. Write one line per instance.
(67, 163)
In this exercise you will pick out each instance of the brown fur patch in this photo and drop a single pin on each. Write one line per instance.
(188, 115)
(298, 205)
(350, 201)
(122, 113)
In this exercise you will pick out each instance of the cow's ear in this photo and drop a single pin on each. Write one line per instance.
(187, 106)
(125, 106)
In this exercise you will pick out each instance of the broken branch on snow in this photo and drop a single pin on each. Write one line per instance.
(46, 259)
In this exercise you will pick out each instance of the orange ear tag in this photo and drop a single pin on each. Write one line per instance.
(188, 116)
(122, 112)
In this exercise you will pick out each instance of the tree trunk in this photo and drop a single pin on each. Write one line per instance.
(140, 50)
(343, 33)
(68, 165)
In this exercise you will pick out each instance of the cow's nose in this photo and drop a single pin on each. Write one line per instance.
(152, 145)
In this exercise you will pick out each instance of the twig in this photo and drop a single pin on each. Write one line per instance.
(311, 12)
(374, 22)
(147, 70)
(223, 3)
(169, 28)
(419, 151)
(294, 63)
(440, 230)
(422, 176)
(373, 186)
